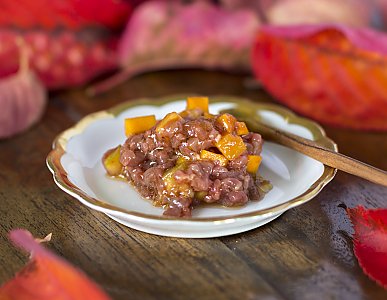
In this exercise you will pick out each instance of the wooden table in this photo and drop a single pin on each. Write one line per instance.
(304, 254)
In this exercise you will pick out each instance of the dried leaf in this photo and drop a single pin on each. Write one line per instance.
(349, 12)
(50, 14)
(370, 241)
(47, 276)
(60, 58)
(286, 12)
(334, 74)
(168, 35)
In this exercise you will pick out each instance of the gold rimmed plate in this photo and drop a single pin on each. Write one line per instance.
(75, 163)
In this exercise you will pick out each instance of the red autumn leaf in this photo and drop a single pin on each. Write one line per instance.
(370, 241)
(60, 58)
(200, 33)
(170, 35)
(333, 74)
(50, 14)
(47, 276)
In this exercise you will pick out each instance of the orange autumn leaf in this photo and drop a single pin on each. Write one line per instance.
(370, 241)
(334, 74)
(47, 276)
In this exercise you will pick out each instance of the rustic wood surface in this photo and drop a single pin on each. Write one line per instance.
(304, 254)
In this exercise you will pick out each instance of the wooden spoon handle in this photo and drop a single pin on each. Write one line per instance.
(318, 152)
(331, 158)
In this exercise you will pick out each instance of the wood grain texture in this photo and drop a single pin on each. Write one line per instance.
(304, 254)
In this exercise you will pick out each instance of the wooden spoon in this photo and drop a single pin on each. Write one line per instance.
(312, 149)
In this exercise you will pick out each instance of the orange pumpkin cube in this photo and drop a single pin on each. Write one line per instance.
(139, 124)
(241, 128)
(208, 115)
(204, 154)
(198, 103)
(231, 146)
(168, 119)
(253, 162)
(227, 121)
(111, 161)
(184, 113)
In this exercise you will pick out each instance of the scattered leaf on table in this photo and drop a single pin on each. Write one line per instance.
(169, 34)
(47, 276)
(22, 101)
(370, 241)
(60, 58)
(334, 74)
(74, 14)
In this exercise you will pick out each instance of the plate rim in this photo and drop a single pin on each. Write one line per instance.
(60, 176)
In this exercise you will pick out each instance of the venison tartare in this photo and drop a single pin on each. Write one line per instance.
(190, 158)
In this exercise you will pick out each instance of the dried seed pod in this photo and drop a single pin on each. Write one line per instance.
(60, 58)
(22, 100)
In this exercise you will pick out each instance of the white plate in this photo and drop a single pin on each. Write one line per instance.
(75, 162)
